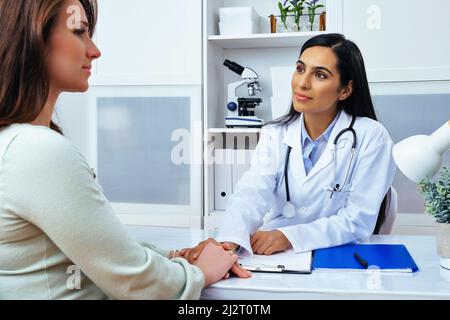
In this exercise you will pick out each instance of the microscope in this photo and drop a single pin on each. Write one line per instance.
(240, 110)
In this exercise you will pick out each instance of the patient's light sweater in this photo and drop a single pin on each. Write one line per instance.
(59, 237)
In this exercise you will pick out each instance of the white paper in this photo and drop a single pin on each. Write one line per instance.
(298, 262)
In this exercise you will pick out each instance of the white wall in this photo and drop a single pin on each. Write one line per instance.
(401, 39)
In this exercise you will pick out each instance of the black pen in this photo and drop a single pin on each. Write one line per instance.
(361, 261)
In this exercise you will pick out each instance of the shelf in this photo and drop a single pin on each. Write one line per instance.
(264, 40)
(234, 130)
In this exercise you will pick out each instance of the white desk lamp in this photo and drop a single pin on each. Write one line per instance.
(419, 157)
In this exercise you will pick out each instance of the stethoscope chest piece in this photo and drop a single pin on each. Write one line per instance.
(289, 210)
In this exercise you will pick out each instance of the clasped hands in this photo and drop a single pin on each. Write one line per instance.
(262, 242)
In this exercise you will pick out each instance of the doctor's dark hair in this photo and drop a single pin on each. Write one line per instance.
(351, 67)
(25, 29)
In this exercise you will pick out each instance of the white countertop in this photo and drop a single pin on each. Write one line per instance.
(430, 282)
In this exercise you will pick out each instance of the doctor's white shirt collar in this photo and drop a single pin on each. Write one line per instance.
(313, 149)
(325, 135)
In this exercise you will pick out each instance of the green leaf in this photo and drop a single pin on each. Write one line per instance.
(437, 195)
(280, 6)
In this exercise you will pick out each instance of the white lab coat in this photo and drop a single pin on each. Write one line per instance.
(320, 222)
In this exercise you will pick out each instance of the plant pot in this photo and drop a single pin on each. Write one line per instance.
(443, 243)
(304, 24)
(290, 25)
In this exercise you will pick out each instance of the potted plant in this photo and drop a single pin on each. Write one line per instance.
(312, 7)
(437, 203)
(284, 8)
(297, 9)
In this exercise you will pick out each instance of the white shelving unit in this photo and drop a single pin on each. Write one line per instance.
(257, 51)
(263, 40)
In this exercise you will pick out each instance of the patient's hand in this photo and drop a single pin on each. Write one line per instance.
(192, 254)
(215, 262)
(269, 242)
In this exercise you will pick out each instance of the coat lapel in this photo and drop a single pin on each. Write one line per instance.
(292, 138)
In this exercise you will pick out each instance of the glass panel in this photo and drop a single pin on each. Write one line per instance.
(134, 150)
(407, 115)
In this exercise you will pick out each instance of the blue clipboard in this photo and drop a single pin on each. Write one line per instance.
(385, 257)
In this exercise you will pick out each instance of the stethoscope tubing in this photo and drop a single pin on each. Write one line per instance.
(286, 176)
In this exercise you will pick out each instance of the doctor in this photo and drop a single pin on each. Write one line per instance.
(320, 173)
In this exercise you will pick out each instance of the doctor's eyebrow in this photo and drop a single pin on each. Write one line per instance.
(316, 68)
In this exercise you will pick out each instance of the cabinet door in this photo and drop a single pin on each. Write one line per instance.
(401, 40)
(145, 146)
(149, 42)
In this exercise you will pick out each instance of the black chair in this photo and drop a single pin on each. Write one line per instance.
(387, 214)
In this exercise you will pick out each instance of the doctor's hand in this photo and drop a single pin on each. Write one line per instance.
(192, 254)
(269, 242)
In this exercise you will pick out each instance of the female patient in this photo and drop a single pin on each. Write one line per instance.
(54, 218)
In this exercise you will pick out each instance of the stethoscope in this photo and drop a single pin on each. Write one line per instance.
(289, 210)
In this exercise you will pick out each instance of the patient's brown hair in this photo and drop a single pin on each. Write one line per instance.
(25, 28)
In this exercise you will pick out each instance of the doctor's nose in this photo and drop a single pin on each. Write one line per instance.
(304, 83)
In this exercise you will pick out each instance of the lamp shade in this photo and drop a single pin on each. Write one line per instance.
(419, 157)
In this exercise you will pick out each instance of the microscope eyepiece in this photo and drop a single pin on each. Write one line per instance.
(233, 66)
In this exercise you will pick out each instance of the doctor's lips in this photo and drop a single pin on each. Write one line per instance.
(301, 97)
(87, 68)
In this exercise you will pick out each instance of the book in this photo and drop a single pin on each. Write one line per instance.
(356, 257)
(286, 262)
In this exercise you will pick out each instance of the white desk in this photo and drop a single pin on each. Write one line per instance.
(430, 282)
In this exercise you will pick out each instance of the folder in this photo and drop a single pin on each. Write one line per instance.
(385, 257)
(281, 262)
(241, 163)
(222, 178)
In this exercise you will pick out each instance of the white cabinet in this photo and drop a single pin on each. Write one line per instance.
(149, 42)
(401, 40)
(140, 124)
(145, 146)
